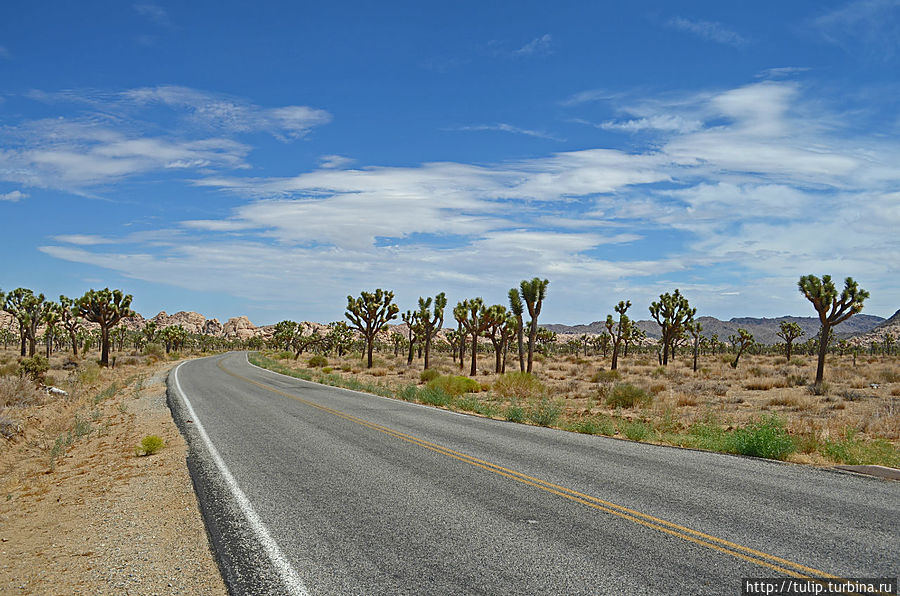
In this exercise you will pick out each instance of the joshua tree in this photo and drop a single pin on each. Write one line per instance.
(695, 328)
(106, 308)
(28, 310)
(414, 331)
(544, 338)
(510, 326)
(636, 336)
(370, 314)
(431, 320)
(496, 319)
(300, 341)
(789, 332)
(283, 335)
(741, 341)
(533, 293)
(340, 337)
(475, 319)
(68, 315)
(622, 330)
(833, 310)
(518, 310)
(672, 312)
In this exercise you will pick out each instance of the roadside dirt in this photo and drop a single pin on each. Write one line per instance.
(99, 519)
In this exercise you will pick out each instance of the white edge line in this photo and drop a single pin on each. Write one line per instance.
(391, 399)
(286, 572)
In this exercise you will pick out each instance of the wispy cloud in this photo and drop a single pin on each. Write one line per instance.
(538, 45)
(334, 161)
(13, 196)
(708, 30)
(870, 25)
(588, 96)
(782, 72)
(503, 127)
(111, 140)
(5, 54)
(153, 12)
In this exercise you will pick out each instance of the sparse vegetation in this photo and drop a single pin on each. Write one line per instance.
(149, 445)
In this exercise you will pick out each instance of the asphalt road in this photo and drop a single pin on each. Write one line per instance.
(312, 489)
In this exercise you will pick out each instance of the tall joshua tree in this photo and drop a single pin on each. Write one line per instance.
(695, 328)
(474, 317)
(741, 341)
(106, 308)
(370, 314)
(833, 310)
(672, 312)
(621, 331)
(533, 293)
(518, 310)
(496, 323)
(68, 316)
(414, 331)
(789, 332)
(431, 319)
(28, 310)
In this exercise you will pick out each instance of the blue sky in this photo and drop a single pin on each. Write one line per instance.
(268, 159)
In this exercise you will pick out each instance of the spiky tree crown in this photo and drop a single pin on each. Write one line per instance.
(105, 307)
(371, 311)
(824, 297)
(534, 292)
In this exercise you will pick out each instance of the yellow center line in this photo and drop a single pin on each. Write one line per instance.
(724, 546)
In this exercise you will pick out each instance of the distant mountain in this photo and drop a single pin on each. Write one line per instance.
(879, 332)
(764, 330)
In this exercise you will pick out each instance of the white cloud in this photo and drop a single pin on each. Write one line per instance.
(871, 25)
(335, 161)
(13, 196)
(708, 30)
(503, 127)
(538, 45)
(588, 96)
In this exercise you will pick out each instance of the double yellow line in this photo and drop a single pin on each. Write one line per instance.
(724, 546)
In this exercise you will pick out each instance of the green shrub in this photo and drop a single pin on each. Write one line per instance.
(34, 367)
(428, 374)
(346, 368)
(515, 413)
(625, 395)
(599, 425)
(149, 445)
(408, 393)
(764, 437)
(605, 376)
(434, 396)
(851, 449)
(327, 370)
(284, 355)
(455, 385)
(544, 413)
(155, 349)
(317, 361)
(637, 430)
(520, 385)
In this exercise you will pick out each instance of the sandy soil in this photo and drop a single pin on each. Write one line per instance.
(99, 519)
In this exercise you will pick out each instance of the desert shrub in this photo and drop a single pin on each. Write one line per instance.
(889, 375)
(469, 403)
(625, 395)
(149, 445)
(174, 355)
(599, 425)
(408, 393)
(763, 384)
(327, 370)
(544, 413)
(823, 389)
(764, 437)
(378, 372)
(428, 374)
(346, 368)
(285, 355)
(605, 376)
(521, 385)
(34, 367)
(9, 427)
(455, 385)
(853, 450)
(19, 391)
(755, 371)
(515, 413)
(686, 399)
(657, 388)
(156, 350)
(317, 361)
(659, 371)
(434, 396)
(637, 430)
(895, 391)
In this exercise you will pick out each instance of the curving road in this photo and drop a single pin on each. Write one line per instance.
(308, 489)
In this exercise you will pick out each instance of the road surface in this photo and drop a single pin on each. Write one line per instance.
(308, 489)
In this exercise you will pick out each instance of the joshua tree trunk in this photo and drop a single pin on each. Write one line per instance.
(823, 349)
